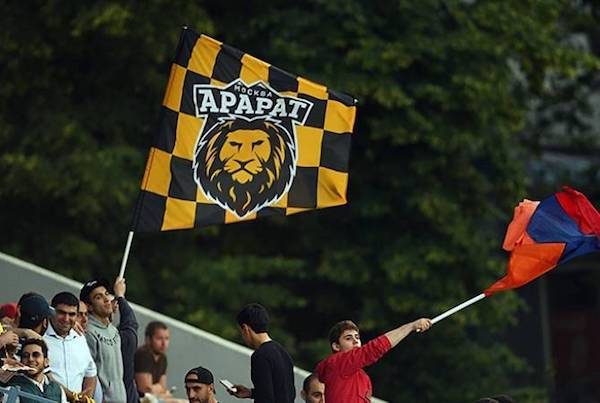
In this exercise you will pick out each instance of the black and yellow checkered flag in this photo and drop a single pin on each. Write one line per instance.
(240, 139)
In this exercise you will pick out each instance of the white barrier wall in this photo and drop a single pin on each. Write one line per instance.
(189, 346)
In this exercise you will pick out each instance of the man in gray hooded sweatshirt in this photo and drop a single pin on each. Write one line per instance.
(103, 340)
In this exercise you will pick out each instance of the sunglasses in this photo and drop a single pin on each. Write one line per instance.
(35, 354)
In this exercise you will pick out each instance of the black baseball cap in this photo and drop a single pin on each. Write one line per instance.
(204, 376)
(34, 308)
(90, 286)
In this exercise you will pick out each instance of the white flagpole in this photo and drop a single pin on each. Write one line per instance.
(457, 308)
(126, 255)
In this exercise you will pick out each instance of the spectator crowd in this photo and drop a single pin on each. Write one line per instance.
(69, 350)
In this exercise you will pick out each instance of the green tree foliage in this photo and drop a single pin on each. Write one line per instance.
(562, 136)
(444, 88)
(73, 130)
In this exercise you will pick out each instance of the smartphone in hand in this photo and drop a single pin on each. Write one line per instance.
(228, 385)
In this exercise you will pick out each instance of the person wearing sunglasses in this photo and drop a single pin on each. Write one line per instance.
(34, 355)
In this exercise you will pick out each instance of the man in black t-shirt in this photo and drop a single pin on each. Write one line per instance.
(271, 367)
(151, 361)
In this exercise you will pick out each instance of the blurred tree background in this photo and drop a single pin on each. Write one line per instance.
(465, 107)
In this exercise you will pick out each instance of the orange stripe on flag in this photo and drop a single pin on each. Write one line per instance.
(515, 232)
(527, 262)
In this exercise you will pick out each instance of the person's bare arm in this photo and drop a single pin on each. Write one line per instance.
(27, 333)
(397, 335)
(163, 383)
(89, 386)
(143, 381)
(9, 338)
(78, 328)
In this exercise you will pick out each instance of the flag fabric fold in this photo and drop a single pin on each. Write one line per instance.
(543, 235)
(239, 139)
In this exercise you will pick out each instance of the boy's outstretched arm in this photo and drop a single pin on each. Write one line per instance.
(420, 325)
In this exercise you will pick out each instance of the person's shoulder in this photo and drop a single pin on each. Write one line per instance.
(91, 334)
(14, 379)
(48, 338)
(143, 357)
(79, 340)
(282, 351)
(143, 350)
(331, 359)
(6, 376)
(268, 347)
(273, 345)
(52, 382)
(322, 366)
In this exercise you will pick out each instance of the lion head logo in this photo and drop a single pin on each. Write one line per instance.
(244, 165)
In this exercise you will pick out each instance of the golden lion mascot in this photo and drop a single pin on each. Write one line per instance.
(244, 165)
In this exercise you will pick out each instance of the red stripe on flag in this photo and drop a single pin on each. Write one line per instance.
(579, 208)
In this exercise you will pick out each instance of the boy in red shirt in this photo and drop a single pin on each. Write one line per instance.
(342, 372)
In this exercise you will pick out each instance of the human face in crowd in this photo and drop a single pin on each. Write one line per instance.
(315, 392)
(82, 315)
(100, 302)
(64, 319)
(198, 392)
(348, 340)
(33, 356)
(159, 342)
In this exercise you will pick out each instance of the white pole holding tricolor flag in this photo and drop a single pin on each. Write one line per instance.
(457, 308)
(541, 236)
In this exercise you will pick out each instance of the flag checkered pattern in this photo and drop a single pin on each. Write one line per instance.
(170, 198)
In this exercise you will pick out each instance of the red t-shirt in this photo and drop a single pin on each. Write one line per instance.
(343, 375)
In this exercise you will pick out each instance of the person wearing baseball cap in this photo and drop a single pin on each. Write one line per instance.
(103, 338)
(34, 312)
(86, 290)
(200, 386)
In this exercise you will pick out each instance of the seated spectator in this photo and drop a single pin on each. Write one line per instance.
(71, 363)
(199, 386)
(34, 354)
(151, 361)
(313, 391)
(8, 314)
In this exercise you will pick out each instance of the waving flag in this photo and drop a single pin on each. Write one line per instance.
(544, 234)
(240, 139)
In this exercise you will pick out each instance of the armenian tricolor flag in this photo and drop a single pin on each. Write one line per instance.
(543, 235)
